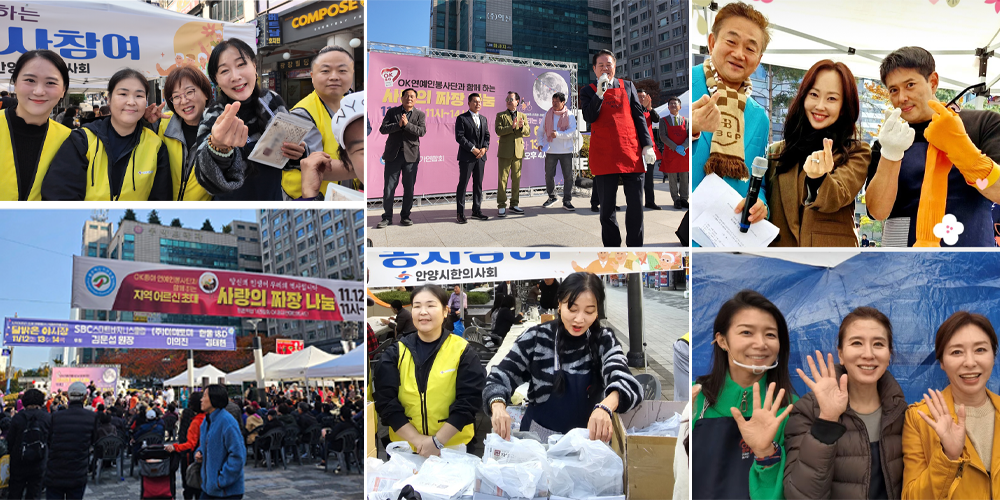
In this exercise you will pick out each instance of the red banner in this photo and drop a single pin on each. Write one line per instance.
(288, 346)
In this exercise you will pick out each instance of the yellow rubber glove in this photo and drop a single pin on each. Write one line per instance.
(947, 133)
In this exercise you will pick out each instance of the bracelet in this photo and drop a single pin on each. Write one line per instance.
(226, 154)
(771, 459)
(605, 408)
(497, 400)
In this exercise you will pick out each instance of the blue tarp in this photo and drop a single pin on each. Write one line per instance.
(917, 291)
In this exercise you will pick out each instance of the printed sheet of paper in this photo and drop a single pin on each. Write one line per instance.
(716, 224)
(283, 128)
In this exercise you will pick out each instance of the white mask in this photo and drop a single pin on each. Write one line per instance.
(757, 370)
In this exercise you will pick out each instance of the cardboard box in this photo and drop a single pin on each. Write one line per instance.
(547, 317)
(649, 460)
(371, 449)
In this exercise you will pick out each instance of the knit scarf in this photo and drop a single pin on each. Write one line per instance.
(726, 158)
(563, 121)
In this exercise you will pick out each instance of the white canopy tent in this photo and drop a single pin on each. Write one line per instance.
(294, 365)
(213, 374)
(860, 33)
(351, 364)
(249, 373)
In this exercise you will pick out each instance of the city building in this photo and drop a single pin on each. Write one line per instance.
(651, 43)
(313, 243)
(549, 30)
(238, 250)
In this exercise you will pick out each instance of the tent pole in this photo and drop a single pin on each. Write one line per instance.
(258, 363)
(190, 361)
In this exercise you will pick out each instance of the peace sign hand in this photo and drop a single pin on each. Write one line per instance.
(154, 112)
(820, 163)
(831, 396)
(758, 432)
(950, 431)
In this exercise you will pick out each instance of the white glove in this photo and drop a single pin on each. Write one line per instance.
(648, 155)
(680, 150)
(896, 136)
(603, 84)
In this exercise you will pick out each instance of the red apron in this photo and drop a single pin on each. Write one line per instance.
(649, 126)
(614, 144)
(674, 163)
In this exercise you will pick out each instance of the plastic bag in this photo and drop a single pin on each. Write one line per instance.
(583, 468)
(663, 428)
(401, 452)
(382, 477)
(447, 477)
(515, 468)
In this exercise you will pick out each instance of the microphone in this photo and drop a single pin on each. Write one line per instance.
(757, 177)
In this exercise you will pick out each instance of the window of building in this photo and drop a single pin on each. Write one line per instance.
(334, 275)
(281, 270)
(645, 29)
(341, 241)
(633, 21)
(92, 250)
(647, 73)
(618, 44)
(645, 44)
(664, 36)
(279, 257)
(277, 245)
(678, 49)
(666, 67)
(298, 219)
(277, 233)
(634, 34)
(300, 233)
(643, 16)
(676, 16)
(340, 226)
(328, 231)
(660, 8)
(360, 233)
(618, 32)
(637, 75)
(668, 83)
(301, 246)
(646, 59)
(328, 247)
(662, 22)
(635, 47)
(304, 259)
(635, 61)
(240, 226)
(325, 217)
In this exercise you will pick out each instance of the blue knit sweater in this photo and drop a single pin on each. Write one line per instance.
(223, 454)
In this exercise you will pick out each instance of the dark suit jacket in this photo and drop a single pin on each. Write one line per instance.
(406, 139)
(468, 137)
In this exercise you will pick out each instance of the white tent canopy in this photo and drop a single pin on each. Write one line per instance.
(249, 373)
(295, 365)
(351, 364)
(860, 33)
(213, 374)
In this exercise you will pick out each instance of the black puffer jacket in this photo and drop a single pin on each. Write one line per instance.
(72, 435)
(842, 469)
(14, 436)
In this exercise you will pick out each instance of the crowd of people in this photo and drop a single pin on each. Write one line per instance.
(622, 150)
(818, 169)
(131, 150)
(55, 441)
(853, 435)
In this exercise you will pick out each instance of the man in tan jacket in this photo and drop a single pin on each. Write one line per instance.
(512, 127)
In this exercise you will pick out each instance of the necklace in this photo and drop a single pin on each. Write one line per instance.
(713, 83)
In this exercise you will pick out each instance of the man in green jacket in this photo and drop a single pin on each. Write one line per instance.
(512, 127)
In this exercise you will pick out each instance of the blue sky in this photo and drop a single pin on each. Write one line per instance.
(404, 22)
(37, 248)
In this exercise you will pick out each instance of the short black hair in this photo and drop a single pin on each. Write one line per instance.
(673, 98)
(396, 304)
(604, 52)
(304, 407)
(105, 111)
(241, 47)
(560, 96)
(415, 94)
(333, 48)
(33, 397)
(48, 55)
(4, 93)
(516, 96)
(474, 94)
(217, 396)
(916, 58)
(124, 74)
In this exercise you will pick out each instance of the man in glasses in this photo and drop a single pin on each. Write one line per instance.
(620, 148)
(920, 138)
(512, 127)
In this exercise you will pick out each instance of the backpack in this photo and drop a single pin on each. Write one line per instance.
(33, 441)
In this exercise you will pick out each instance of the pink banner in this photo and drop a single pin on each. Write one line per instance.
(443, 87)
(105, 378)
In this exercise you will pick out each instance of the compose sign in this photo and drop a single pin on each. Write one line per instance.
(331, 11)
(67, 333)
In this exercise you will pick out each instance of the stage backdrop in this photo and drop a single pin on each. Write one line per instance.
(104, 377)
(917, 291)
(108, 284)
(443, 87)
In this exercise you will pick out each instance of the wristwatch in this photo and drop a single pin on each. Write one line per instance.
(437, 443)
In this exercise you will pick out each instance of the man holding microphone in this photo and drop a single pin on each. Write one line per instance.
(620, 147)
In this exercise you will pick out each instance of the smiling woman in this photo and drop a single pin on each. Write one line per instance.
(116, 157)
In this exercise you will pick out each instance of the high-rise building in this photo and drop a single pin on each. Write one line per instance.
(568, 31)
(651, 42)
(314, 243)
(144, 242)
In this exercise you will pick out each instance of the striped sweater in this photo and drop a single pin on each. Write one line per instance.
(532, 358)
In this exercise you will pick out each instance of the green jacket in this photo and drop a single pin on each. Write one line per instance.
(511, 139)
(766, 483)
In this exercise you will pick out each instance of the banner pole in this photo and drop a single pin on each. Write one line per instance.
(190, 369)
(258, 363)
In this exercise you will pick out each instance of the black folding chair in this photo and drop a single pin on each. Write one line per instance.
(111, 448)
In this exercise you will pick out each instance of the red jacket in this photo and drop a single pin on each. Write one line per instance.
(194, 433)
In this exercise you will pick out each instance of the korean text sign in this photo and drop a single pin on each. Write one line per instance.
(68, 333)
(443, 88)
(107, 284)
(104, 378)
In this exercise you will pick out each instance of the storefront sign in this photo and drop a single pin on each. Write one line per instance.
(322, 18)
(303, 62)
(268, 31)
(414, 267)
(111, 334)
(333, 10)
(106, 284)
(288, 346)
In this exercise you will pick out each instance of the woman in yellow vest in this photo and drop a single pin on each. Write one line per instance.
(429, 385)
(28, 138)
(187, 92)
(332, 77)
(575, 368)
(113, 158)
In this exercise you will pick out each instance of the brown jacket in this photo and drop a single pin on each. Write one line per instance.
(829, 220)
(816, 470)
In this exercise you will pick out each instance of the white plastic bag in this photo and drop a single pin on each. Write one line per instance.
(583, 468)
(516, 468)
(382, 477)
(447, 477)
(402, 452)
(663, 428)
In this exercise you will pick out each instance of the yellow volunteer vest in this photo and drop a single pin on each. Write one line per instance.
(686, 337)
(440, 390)
(54, 137)
(291, 179)
(192, 191)
(139, 175)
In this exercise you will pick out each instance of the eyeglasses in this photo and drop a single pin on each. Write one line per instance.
(189, 95)
(511, 99)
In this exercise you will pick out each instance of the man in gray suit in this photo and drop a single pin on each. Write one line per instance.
(472, 133)
(404, 126)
